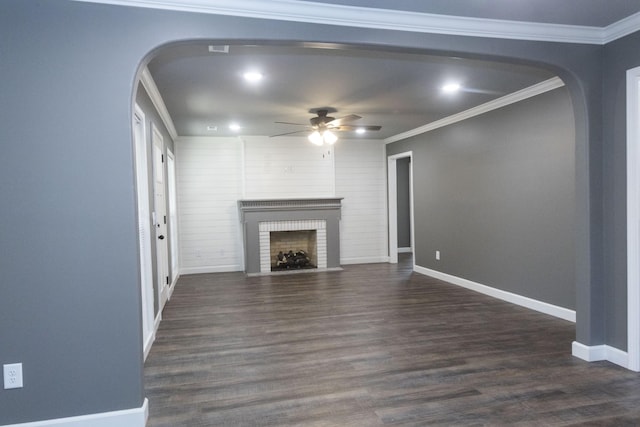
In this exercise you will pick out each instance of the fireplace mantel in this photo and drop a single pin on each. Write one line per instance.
(274, 205)
(256, 211)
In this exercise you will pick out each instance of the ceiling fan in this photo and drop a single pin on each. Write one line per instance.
(322, 126)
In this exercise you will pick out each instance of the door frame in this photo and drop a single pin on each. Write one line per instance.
(633, 219)
(392, 191)
(144, 229)
(172, 215)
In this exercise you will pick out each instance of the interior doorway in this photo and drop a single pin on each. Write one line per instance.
(392, 183)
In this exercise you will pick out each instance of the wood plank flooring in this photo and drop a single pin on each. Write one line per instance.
(368, 346)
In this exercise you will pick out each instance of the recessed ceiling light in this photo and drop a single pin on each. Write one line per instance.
(361, 130)
(253, 76)
(451, 87)
(234, 126)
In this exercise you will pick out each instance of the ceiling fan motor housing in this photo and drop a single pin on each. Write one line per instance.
(321, 119)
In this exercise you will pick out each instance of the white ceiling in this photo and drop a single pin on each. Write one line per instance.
(397, 91)
(400, 92)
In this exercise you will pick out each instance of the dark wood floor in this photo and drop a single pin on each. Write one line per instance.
(371, 345)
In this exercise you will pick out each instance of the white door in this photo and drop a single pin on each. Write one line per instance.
(160, 217)
(144, 229)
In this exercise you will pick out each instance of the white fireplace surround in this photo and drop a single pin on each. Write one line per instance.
(266, 227)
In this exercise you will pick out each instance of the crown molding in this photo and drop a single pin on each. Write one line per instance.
(150, 86)
(512, 98)
(622, 28)
(365, 17)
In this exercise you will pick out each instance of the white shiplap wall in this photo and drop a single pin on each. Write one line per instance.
(361, 180)
(209, 175)
(286, 167)
(213, 173)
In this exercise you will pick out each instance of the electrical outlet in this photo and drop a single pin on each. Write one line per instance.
(437, 255)
(12, 375)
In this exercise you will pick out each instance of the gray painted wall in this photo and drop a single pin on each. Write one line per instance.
(70, 294)
(495, 195)
(619, 56)
(403, 202)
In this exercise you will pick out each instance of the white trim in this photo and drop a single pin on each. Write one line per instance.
(152, 90)
(592, 353)
(172, 286)
(512, 98)
(392, 202)
(619, 357)
(172, 215)
(149, 342)
(633, 218)
(136, 417)
(211, 269)
(597, 353)
(405, 250)
(145, 230)
(412, 214)
(542, 307)
(392, 206)
(364, 260)
(156, 322)
(622, 28)
(397, 20)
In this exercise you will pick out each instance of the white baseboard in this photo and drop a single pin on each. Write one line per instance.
(150, 340)
(136, 417)
(405, 250)
(211, 269)
(596, 353)
(156, 322)
(543, 307)
(364, 260)
(172, 287)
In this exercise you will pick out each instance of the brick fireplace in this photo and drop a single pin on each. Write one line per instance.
(316, 221)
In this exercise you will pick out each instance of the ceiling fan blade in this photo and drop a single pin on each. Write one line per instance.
(289, 123)
(288, 133)
(338, 122)
(356, 127)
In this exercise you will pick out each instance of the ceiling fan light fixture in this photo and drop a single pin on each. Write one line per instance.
(315, 138)
(329, 137)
